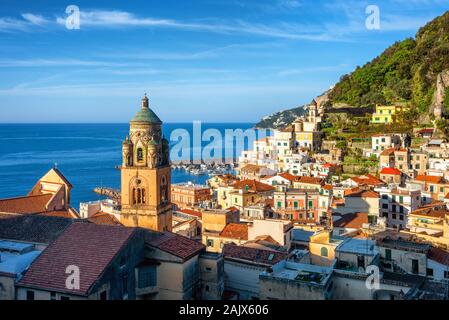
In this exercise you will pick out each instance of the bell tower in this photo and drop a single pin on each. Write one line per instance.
(146, 173)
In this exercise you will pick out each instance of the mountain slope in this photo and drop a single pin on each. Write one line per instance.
(405, 72)
(281, 119)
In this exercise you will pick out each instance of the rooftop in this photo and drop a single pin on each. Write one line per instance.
(392, 171)
(252, 186)
(301, 272)
(404, 245)
(189, 185)
(253, 255)
(104, 219)
(80, 244)
(145, 114)
(428, 178)
(351, 220)
(16, 257)
(176, 245)
(359, 193)
(235, 231)
(302, 235)
(26, 204)
(310, 180)
(358, 246)
(439, 255)
(32, 228)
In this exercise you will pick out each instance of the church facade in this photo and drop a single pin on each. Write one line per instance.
(146, 174)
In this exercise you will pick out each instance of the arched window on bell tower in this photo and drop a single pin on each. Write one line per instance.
(139, 154)
(139, 196)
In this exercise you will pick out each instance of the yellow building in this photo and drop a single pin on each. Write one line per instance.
(384, 114)
(145, 174)
(322, 248)
(213, 223)
(243, 194)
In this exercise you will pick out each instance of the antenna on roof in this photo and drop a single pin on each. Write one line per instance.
(55, 166)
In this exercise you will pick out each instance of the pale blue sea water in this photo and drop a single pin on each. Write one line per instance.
(87, 155)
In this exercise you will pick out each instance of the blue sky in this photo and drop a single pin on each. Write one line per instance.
(209, 60)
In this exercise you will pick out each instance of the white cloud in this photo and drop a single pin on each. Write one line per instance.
(114, 19)
(35, 19)
(11, 24)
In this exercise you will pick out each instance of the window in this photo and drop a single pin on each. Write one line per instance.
(388, 254)
(324, 252)
(415, 266)
(30, 295)
(310, 204)
(401, 217)
(360, 261)
(52, 295)
(210, 242)
(139, 196)
(393, 216)
(295, 204)
(401, 199)
(446, 274)
(124, 285)
(147, 276)
(279, 204)
(104, 295)
(140, 154)
(429, 272)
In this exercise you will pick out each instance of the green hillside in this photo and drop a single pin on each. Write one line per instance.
(405, 72)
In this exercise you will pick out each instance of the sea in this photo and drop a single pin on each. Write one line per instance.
(87, 154)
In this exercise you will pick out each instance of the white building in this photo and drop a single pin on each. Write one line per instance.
(396, 203)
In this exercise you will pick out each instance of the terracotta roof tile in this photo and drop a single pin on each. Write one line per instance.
(351, 220)
(288, 176)
(176, 245)
(104, 219)
(310, 180)
(69, 214)
(431, 179)
(253, 168)
(89, 246)
(235, 231)
(253, 186)
(430, 211)
(367, 179)
(387, 152)
(254, 255)
(439, 255)
(32, 228)
(359, 193)
(26, 204)
(392, 171)
(191, 212)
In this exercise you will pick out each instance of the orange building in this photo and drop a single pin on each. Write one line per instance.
(186, 195)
